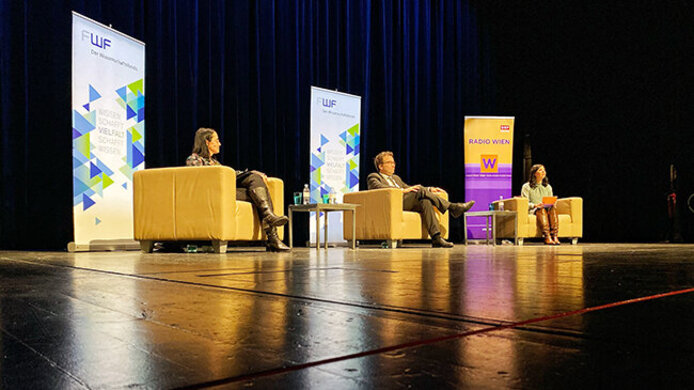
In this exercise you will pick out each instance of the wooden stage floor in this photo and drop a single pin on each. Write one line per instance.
(585, 316)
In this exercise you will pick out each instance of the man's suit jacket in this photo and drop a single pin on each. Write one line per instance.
(376, 180)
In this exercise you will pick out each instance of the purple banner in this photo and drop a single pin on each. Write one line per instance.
(485, 188)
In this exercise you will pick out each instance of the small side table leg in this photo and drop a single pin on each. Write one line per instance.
(291, 242)
(465, 227)
(494, 229)
(354, 229)
(317, 229)
(486, 233)
(325, 228)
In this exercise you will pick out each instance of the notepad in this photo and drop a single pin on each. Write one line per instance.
(548, 201)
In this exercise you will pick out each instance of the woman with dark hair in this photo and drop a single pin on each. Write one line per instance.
(534, 190)
(251, 186)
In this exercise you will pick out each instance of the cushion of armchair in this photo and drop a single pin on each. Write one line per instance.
(384, 210)
(505, 226)
(572, 206)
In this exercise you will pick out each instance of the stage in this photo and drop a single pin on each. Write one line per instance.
(469, 317)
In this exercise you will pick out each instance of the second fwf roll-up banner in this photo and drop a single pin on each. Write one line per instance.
(488, 165)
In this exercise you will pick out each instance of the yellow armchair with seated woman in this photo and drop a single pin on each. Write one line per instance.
(537, 218)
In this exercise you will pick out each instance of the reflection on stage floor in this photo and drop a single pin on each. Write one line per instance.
(590, 315)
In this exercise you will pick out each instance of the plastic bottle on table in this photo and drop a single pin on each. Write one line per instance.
(501, 203)
(307, 194)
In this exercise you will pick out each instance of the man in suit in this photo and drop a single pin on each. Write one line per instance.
(416, 198)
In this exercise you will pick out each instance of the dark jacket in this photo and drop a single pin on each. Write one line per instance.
(376, 180)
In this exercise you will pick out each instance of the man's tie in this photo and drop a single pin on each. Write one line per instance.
(392, 182)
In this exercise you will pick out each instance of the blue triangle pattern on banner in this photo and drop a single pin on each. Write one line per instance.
(122, 92)
(353, 180)
(323, 140)
(356, 149)
(139, 147)
(93, 94)
(140, 114)
(128, 150)
(76, 154)
(315, 161)
(87, 202)
(129, 112)
(86, 106)
(344, 136)
(79, 186)
(80, 123)
(125, 185)
(97, 221)
(93, 170)
(349, 149)
(103, 167)
(138, 157)
(75, 133)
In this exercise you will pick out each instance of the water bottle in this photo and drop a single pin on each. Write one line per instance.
(307, 194)
(501, 203)
(332, 199)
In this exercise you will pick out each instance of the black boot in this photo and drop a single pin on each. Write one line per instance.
(439, 242)
(457, 209)
(274, 244)
(264, 204)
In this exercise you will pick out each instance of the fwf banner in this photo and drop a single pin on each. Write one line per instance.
(335, 120)
(108, 130)
(488, 163)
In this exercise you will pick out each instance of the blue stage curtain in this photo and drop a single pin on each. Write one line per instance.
(244, 68)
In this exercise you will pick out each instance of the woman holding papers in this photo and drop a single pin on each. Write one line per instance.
(541, 203)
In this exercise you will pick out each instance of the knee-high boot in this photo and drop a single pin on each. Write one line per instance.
(274, 244)
(263, 203)
(553, 225)
(543, 224)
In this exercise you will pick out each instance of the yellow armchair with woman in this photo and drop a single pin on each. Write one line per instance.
(541, 214)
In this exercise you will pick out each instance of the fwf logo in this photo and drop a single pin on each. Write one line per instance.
(326, 102)
(96, 40)
(505, 128)
(489, 163)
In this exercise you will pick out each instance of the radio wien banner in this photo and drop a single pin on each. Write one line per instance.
(335, 120)
(488, 163)
(108, 130)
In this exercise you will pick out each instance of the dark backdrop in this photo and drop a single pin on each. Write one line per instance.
(601, 91)
(604, 91)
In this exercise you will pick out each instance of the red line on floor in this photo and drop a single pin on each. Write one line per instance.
(434, 340)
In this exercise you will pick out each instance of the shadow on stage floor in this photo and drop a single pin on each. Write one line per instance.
(590, 315)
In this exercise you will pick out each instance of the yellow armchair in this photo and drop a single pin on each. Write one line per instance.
(569, 210)
(196, 204)
(381, 217)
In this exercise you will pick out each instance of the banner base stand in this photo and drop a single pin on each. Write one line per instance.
(104, 246)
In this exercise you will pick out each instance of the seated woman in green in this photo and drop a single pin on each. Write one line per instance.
(251, 186)
(534, 190)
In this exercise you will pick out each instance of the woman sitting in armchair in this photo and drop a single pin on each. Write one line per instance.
(251, 186)
(534, 190)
